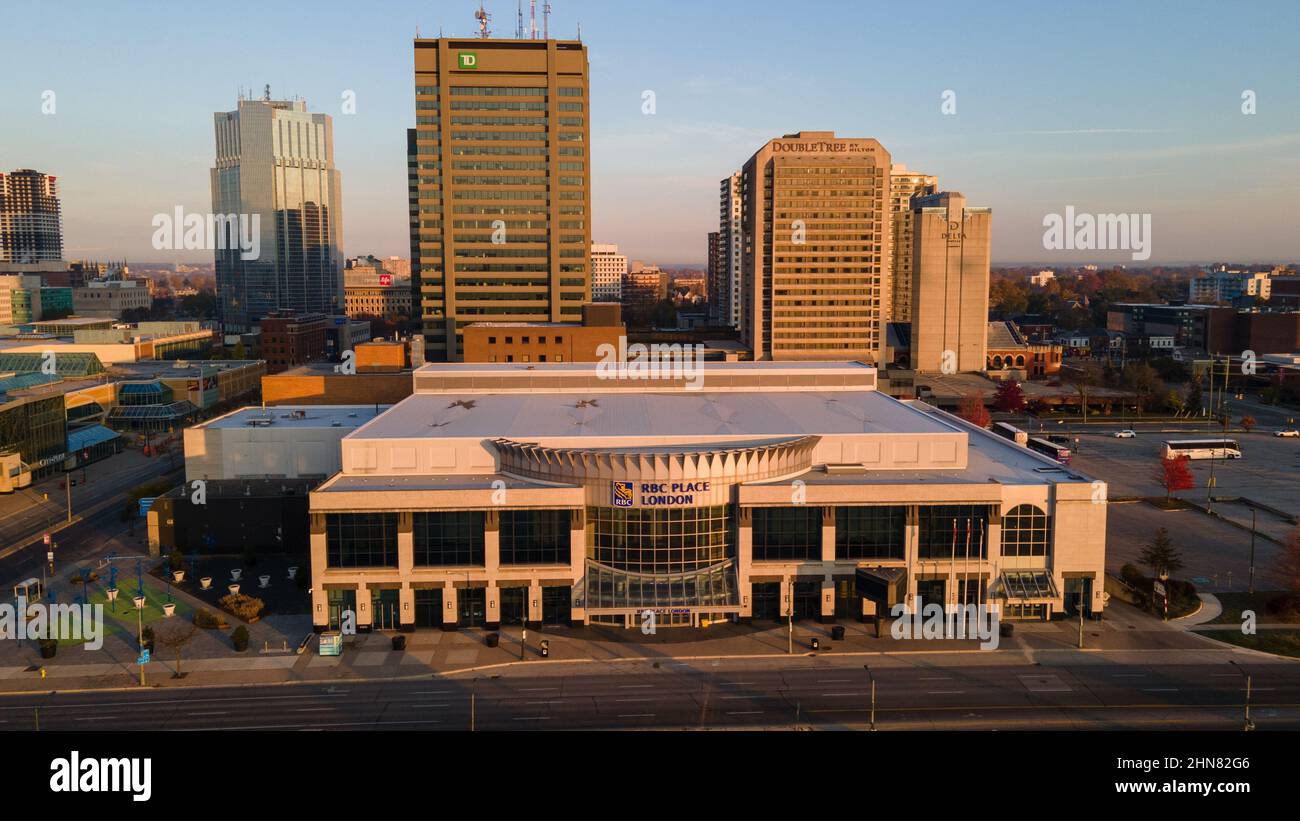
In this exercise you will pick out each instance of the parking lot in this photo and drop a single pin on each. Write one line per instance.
(1217, 554)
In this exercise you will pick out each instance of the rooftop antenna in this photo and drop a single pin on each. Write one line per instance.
(546, 20)
(532, 19)
(483, 17)
(519, 24)
(266, 94)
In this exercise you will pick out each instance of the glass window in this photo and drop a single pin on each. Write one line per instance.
(1025, 531)
(870, 532)
(660, 540)
(448, 538)
(787, 533)
(945, 531)
(535, 536)
(361, 539)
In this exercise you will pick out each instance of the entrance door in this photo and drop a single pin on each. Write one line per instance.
(847, 604)
(473, 606)
(556, 606)
(428, 608)
(1078, 592)
(932, 591)
(807, 600)
(339, 602)
(514, 605)
(767, 600)
(385, 606)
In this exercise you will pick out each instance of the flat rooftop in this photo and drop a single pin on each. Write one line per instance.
(175, 368)
(298, 416)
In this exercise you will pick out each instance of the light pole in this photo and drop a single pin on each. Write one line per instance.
(1248, 725)
(139, 628)
(872, 678)
(472, 686)
(1250, 588)
(789, 604)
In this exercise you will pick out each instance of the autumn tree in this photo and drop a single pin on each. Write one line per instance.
(1174, 475)
(1248, 423)
(1161, 556)
(972, 409)
(1009, 397)
(1288, 569)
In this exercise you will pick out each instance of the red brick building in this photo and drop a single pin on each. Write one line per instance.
(290, 338)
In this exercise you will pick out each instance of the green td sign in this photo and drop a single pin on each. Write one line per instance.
(468, 59)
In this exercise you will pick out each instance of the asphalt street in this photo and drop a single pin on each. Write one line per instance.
(911, 694)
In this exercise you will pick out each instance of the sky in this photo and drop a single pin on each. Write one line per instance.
(1108, 107)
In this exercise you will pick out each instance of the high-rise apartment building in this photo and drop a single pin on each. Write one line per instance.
(950, 300)
(903, 185)
(608, 267)
(715, 275)
(816, 222)
(731, 242)
(644, 287)
(500, 182)
(275, 162)
(31, 221)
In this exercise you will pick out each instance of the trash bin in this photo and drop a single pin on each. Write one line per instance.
(816, 643)
(493, 639)
(837, 632)
(1005, 629)
(399, 642)
(546, 648)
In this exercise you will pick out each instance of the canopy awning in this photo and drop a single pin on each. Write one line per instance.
(1027, 585)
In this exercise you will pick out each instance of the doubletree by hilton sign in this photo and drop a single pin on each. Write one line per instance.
(822, 147)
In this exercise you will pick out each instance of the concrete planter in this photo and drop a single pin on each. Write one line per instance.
(169, 609)
(233, 588)
(293, 573)
(263, 581)
(111, 593)
(236, 574)
(139, 602)
(205, 582)
(178, 576)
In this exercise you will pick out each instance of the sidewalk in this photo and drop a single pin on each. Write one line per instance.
(1125, 632)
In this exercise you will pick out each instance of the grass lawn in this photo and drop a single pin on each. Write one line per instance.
(1278, 642)
(1235, 603)
(123, 622)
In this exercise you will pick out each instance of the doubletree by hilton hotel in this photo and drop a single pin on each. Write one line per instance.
(498, 493)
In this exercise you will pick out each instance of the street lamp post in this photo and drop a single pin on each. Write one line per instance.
(1250, 588)
(867, 667)
(1247, 724)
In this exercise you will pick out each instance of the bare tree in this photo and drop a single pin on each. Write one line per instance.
(175, 635)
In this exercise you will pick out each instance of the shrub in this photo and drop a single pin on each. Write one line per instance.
(1286, 605)
(245, 607)
(176, 559)
(1131, 574)
(240, 638)
(206, 619)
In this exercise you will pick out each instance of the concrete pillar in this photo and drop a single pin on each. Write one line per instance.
(365, 609)
(405, 566)
(492, 542)
(828, 600)
(534, 604)
(450, 603)
(787, 596)
(828, 534)
(744, 561)
(320, 615)
(492, 616)
(577, 566)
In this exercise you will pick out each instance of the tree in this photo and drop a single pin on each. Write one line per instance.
(1009, 397)
(1288, 565)
(1143, 381)
(174, 635)
(1248, 423)
(664, 314)
(972, 409)
(1161, 556)
(1174, 475)
(1082, 376)
(1173, 402)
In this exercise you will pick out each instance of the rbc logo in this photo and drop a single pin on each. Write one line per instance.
(621, 494)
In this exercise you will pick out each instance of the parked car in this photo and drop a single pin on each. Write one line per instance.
(1125, 434)
(1293, 433)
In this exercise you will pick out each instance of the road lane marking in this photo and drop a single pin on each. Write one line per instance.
(426, 706)
(636, 715)
(945, 692)
(97, 718)
(746, 713)
(222, 713)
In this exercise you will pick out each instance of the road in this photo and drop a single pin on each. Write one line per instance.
(822, 694)
(25, 515)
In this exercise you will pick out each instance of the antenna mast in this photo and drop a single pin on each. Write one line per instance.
(483, 17)
(519, 25)
(532, 19)
(546, 20)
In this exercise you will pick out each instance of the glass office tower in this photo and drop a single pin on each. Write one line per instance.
(275, 160)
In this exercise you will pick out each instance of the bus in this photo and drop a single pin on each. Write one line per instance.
(1203, 449)
(1058, 452)
(1011, 432)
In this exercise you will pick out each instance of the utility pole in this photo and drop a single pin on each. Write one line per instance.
(867, 667)
(67, 483)
(1247, 724)
(139, 626)
(1080, 606)
(789, 598)
(1250, 588)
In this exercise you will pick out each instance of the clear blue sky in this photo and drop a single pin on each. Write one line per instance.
(1106, 106)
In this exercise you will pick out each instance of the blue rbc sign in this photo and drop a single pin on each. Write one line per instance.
(621, 494)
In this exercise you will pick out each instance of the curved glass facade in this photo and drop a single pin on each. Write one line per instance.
(661, 557)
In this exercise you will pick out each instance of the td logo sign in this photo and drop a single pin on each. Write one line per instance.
(468, 59)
